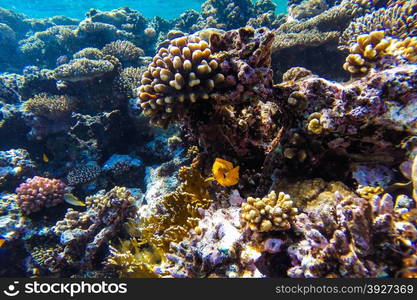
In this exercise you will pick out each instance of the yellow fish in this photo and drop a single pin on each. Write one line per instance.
(45, 158)
(224, 173)
(2, 241)
(71, 199)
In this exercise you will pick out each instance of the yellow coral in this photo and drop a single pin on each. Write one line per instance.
(368, 192)
(178, 211)
(134, 259)
(272, 212)
(314, 124)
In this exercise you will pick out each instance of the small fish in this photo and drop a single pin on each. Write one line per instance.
(224, 173)
(45, 158)
(150, 95)
(71, 199)
(2, 241)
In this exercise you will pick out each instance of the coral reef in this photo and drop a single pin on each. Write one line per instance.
(38, 192)
(273, 212)
(284, 146)
(84, 234)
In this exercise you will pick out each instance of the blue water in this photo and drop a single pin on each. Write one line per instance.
(77, 8)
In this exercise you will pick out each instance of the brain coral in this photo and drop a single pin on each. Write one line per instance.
(39, 192)
(179, 75)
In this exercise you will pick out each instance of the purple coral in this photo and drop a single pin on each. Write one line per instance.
(38, 193)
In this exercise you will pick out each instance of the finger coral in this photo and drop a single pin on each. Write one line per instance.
(38, 193)
(179, 75)
(273, 212)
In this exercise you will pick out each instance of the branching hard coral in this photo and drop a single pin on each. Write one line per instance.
(273, 212)
(134, 259)
(350, 237)
(38, 193)
(126, 52)
(397, 21)
(184, 73)
(83, 234)
(52, 107)
(177, 212)
(190, 74)
(128, 80)
(372, 47)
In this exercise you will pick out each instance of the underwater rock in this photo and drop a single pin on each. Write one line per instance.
(15, 165)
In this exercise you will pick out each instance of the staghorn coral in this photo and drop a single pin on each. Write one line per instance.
(177, 212)
(398, 21)
(84, 234)
(184, 73)
(126, 52)
(38, 193)
(52, 107)
(273, 212)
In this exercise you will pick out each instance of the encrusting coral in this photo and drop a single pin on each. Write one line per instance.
(273, 212)
(38, 193)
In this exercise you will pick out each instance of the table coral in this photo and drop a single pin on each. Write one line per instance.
(52, 107)
(38, 193)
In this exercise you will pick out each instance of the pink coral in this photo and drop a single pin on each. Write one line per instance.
(38, 193)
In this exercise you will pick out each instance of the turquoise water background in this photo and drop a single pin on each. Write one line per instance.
(77, 8)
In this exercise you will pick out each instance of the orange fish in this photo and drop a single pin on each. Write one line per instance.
(224, 173)
(2, 241)
(150, 95)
